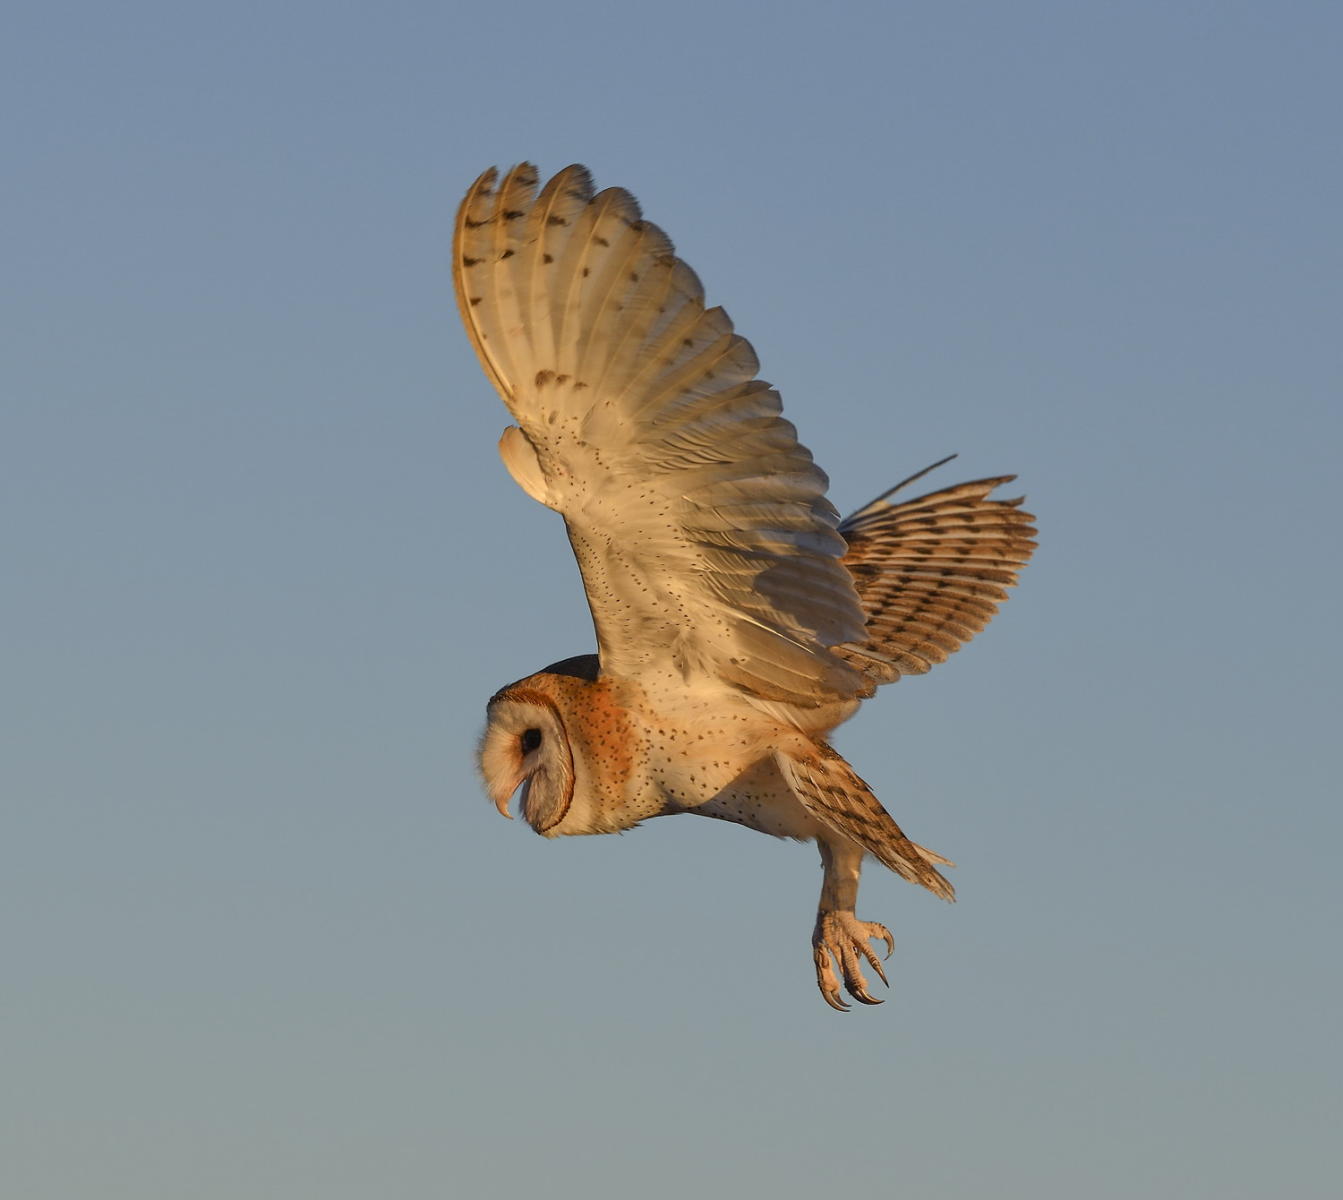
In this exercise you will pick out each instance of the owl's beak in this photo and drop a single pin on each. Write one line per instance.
(501, 795)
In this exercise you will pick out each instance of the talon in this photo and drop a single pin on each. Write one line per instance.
(860, 993)
(885, 935)
(876, 966)
(835, 1000)
(826, 979)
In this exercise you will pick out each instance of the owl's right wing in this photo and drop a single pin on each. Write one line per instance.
(699, 522)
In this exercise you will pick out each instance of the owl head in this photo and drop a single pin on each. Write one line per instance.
(526, 745)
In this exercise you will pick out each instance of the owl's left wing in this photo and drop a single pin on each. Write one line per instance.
(699, 522)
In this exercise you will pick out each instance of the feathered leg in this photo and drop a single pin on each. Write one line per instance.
(855, 824)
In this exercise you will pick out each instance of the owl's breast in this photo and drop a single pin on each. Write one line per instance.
(609, 740)
(700, 740)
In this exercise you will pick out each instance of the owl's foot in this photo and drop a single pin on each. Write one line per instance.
(844, 937)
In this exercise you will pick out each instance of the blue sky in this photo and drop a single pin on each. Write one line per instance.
(263, 934)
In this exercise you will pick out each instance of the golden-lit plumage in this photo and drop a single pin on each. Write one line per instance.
(738, 620)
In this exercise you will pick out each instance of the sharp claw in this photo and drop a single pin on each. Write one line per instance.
(859, 993)
(885, 936)
(835, 1000)
(876, 966)
(826, 980)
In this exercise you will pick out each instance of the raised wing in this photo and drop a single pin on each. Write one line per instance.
(700, 524)
(931, 572)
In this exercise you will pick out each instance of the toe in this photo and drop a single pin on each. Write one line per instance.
(854, 983)
(873, 961)
(827, 981)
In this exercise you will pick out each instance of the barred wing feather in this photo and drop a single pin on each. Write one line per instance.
(930, 573)
(699, 522)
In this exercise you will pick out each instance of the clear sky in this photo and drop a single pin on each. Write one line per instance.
(262, 934)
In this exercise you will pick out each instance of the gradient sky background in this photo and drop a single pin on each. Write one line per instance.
(262, 934)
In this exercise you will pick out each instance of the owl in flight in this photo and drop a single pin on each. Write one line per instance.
(738, 620)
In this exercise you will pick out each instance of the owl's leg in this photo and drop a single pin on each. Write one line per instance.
(839, 934)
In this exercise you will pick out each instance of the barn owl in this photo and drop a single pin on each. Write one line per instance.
(738, 620)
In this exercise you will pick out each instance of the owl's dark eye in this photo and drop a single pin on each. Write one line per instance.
(531, 738)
